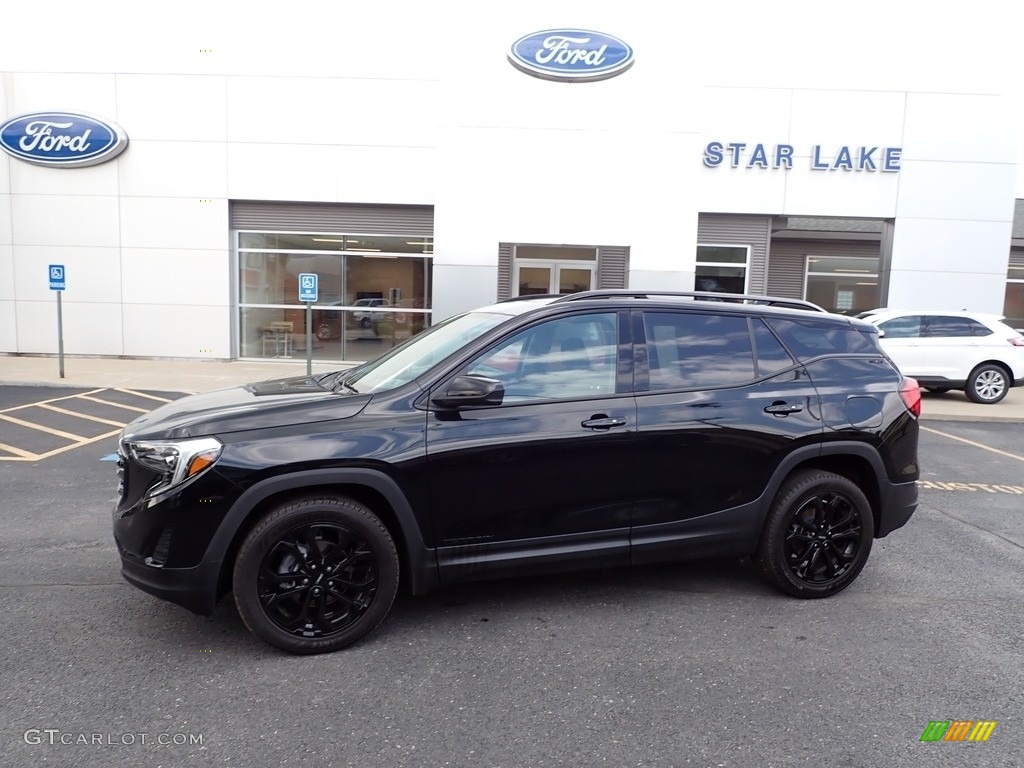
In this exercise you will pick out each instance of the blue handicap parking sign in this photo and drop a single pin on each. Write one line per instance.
(57, 275)
(308, 286)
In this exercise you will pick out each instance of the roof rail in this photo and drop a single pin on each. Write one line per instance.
(528, 296)
(738, 298)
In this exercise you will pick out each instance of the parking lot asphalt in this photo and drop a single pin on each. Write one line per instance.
(668, 665)
(174, 375)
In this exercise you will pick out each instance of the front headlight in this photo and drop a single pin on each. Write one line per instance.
(176, 462)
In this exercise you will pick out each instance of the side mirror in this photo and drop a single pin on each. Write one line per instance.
(881, 333)
(469, 389)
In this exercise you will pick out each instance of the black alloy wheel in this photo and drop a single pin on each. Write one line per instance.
(817, 536)
(316, 575)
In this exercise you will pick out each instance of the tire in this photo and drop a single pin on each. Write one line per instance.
(283, 582)
(365, 322)
(987, 384)
(817, 536)
(323, 332)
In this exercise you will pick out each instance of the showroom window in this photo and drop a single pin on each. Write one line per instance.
(374, 293)
(722, 268)
(1013, 307)
(843, 284)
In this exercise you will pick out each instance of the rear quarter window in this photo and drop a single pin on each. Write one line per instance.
(810, 338)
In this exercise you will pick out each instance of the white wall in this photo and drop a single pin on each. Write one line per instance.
(145, 237)
(413, 103)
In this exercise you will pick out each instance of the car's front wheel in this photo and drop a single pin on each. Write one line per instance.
(817, 536)
(316, 575)
(987, 384)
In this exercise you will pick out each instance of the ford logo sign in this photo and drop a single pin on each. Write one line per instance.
(571, 55)
(64, 139)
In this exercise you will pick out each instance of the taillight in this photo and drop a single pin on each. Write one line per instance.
(910, 392)
(1017, 341)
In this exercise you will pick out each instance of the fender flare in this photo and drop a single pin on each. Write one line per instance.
(422, 575)
(809, 453)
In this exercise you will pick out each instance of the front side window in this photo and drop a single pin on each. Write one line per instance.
(902, 327)
(570, 357)
(687, 351)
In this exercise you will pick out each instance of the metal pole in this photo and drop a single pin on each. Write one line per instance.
(309, 338)
(60, 336)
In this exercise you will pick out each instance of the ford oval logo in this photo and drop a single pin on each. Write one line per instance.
(571, 55)
(64, 139)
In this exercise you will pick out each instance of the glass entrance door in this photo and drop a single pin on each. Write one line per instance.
(537, 278)
(555, 269)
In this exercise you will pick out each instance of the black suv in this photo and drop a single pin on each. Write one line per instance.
(591, 430)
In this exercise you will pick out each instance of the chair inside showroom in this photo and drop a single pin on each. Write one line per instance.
(277, 339)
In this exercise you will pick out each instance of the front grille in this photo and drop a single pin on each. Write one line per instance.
(122, 485)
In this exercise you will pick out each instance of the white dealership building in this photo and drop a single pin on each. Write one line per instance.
(422, 159)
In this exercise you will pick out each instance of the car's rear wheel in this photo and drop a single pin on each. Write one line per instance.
(987, 384)
(817, 536)
(316, 575)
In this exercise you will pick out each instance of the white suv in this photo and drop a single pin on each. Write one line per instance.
(365, 319)
(970, 351)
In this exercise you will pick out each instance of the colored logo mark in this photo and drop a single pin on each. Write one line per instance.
(958, 730)
(67, 139)
(571, 55)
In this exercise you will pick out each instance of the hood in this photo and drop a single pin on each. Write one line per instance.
(274, 403)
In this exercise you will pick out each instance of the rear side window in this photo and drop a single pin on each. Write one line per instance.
(687, 351)
(954, 327)
(809, 338)
(771, 356)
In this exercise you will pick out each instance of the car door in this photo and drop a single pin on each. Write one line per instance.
(948, 348)
(547, 477)
(720, 403)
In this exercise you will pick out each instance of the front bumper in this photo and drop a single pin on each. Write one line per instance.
(192, 588)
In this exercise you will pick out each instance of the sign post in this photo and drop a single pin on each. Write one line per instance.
(58, 284)
(308, 293)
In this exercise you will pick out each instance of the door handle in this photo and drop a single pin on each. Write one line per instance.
(782, 409)
(603, 422)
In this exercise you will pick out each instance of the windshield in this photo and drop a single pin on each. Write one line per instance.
(420, 353)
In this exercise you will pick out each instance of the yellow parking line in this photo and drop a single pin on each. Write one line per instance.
(82, 415)
(116, 405)
(976, 445)
(50, 400)
(17, 453)
(55, 451)
(143, 394)
(41, 428)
